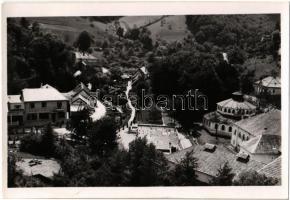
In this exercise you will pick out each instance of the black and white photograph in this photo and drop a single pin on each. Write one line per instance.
(144, 100)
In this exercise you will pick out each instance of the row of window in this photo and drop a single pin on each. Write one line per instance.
(234, 111)
(43, 116)
(223, 127)
(271, 91)
(44, 105)
(243, 137)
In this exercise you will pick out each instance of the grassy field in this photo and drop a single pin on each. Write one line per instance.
(68, 28)
(168, 28)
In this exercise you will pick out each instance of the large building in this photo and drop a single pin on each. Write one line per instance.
(38, 107)
(210, 158)
(259, 136)
(228, 112)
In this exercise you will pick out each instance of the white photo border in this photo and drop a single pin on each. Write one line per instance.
(41, 9)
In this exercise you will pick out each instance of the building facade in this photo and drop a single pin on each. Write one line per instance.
(228, 112)
(259, 136)
(36, 107)
(270, 85)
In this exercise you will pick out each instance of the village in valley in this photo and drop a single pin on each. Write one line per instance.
(76, 91)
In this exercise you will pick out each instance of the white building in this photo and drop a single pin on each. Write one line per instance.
(259, 136)
(228, 112)
(38, 107)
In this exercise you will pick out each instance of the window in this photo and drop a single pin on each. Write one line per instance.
(60, 114)
(230, 129)
(59, 104)
(17, 106)
(32, 116)
(223, 127)
(32, 105)
(216, 126)
(233, 111)
(247, 138)
(239, 135)
(43, 116)
(43, 104)
(235, 132)
(243, 138)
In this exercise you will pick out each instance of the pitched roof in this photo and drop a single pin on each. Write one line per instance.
(265, 123)
(210, 162)
(230, 103)
(45, 93)
(14, 99)
(273, 169)
(270, 81)
(80, 55)
(263, 144)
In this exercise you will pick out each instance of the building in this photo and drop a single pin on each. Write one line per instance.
(85, 58)
(259, 136)
(142, 73)
(228, 112)
(16, 111)
(210, 158)
(273, 169)
(270, 85)
(38, 107)
(81, 97)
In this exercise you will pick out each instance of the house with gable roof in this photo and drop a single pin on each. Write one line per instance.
(38, 107)
(259, 136)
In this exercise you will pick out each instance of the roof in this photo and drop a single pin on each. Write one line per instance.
(265, 123)
(80, 55)
(144, 70)
(217, 117)
(45, 167)
(86, 101)
(44, 93)
(270, 81)
(273, 169)
(263, 144)
(230, 103)
(210, 162)
(14, 99)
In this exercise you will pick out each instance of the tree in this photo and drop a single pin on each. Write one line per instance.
(24, 22)
(146, 165)
(253, 178)
(102, 136)
(80, 122)
(48, 142)
(12, 173)
(84, 41)
(224, 176)
(120, 32)
(184, 172)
